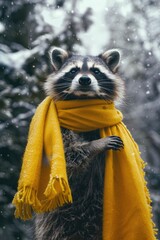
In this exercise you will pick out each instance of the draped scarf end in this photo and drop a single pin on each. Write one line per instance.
(57, 194)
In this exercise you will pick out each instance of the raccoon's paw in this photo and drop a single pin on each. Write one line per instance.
(114, 143)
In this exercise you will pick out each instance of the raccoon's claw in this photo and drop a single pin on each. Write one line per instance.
(114, 143)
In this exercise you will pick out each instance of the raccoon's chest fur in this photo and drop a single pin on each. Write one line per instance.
(81, 220)
(85, 175)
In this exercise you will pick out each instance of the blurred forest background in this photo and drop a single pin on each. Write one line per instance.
(28, 28)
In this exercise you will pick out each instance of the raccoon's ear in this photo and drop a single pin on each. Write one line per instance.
(58, 56)
(112, 59)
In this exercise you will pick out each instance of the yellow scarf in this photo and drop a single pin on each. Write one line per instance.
(43, 184)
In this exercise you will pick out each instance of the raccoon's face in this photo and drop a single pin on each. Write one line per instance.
(79, 77)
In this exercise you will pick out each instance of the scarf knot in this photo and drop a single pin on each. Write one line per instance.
(87, 115)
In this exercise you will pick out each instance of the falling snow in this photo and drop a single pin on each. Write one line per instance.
(28, 30)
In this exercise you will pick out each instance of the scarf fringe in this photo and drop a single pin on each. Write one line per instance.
(25, 200)
(57, 193)
(149, 201)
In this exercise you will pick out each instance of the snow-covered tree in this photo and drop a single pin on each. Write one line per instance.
(26, 36)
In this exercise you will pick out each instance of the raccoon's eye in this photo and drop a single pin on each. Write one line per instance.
(74, 70)
(95, 70)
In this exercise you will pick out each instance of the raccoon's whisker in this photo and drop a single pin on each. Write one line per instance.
(58, 96)
(110, 79)
(103, 81)
(109, 92)
(105, 85)
(104, 93)
(103, 98)
(61, 86)
(108, 83)
(107, 96)
(106, 89)
(62, 94)
(65, 96)
(64, 83)
(65, 93)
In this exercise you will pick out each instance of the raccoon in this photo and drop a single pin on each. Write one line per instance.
(78, 77)
(82, 77)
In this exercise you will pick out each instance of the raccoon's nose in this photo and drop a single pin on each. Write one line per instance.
(84, 81)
